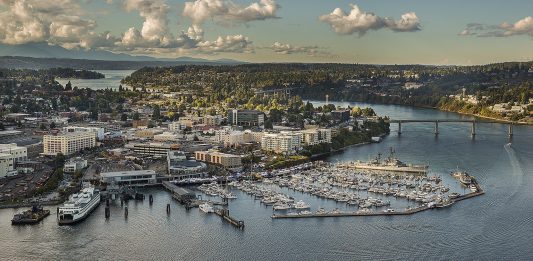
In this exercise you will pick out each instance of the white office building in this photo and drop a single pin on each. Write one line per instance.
(6, 165)
(74, 165)
(19, 153)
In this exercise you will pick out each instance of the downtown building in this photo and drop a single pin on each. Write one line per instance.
(282, 143)
(246, 118)
(10, 154)
(68, 143)
(228, 161)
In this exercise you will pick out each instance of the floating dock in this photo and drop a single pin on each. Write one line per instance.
(224, 214)
(479, 192)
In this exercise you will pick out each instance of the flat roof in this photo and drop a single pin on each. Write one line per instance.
(127, 173)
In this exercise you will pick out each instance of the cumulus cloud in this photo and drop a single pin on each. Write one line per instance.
(521, 27)
(358, 21)
(226, 12)
(25, 21)
(230, 43)
(61, 22)
(285, 48)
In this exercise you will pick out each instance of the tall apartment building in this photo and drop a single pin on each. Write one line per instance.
(228, 161)
(68, 143)
(284, 142)
(246, 118)
(316, 136)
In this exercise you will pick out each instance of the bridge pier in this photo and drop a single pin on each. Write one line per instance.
(436, 127)
(473, 129)
(399, 128)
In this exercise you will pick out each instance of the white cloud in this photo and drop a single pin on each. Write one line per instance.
(61, 22)
(358, 21)
(521, 27)
(230, 43)
(226, 12)
(285, 48)
(25, 21)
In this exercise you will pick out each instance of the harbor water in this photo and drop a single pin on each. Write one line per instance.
(497, 225)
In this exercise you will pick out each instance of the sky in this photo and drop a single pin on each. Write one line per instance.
(462, 32)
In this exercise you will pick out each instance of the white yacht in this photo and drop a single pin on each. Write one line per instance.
(301, 205)
(282, 206)
(78, 206)
(206, 207)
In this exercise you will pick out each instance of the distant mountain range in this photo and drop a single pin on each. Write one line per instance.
(42, 55)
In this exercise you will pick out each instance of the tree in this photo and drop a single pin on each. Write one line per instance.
(156, 115)
(68, 86)
(2, 127)
(42, 126)
(52, 125)
(124, 117)
(136, 116)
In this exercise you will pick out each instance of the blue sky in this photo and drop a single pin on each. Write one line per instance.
(430, 37)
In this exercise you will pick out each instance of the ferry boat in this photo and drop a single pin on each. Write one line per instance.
(78, 206)
(390, 164)
(32, 216)
(206, 207)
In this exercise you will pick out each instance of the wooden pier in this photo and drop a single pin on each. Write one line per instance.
(224, 214)
(187, 197)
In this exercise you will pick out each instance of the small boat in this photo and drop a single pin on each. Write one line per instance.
(389, 210)
(321, 211)
(454, 195)
(473, 188)
(281, 206)
(32, 216)
(306, 212)
(206, 207)
(301, 205)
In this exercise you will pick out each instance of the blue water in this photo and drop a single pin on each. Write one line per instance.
(112, 80)
(497, 225)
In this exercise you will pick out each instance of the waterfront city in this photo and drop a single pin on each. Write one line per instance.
(149, 144)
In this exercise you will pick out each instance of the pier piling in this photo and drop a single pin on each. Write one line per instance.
(126, 212)
(436, 127)
(151, 199)
(473, 129)
(107, 213)
(399, 128)
(168, 208)
(510, 130)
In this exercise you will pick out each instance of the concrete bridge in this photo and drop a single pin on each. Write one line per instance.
(436, 124)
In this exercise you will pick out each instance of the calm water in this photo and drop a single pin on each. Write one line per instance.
(112, 80)
(498, 225)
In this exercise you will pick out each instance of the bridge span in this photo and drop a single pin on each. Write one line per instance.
(436, 124)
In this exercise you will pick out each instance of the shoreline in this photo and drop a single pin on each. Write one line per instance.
(435, 108)
(25, 205)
